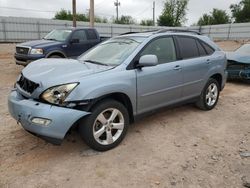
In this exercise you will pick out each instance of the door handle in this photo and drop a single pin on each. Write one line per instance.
(208, 61)
(177, 67)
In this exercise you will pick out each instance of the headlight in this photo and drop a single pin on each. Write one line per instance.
(36, 51)
(58, 94)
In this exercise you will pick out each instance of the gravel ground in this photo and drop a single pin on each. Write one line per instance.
(180, 147)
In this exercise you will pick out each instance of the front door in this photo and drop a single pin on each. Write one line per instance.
(160, 85)
(78, 44)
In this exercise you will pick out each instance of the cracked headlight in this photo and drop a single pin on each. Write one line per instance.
(58, 94)
(36, 51)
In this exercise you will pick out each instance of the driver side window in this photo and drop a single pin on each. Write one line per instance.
(80, 35)
(163, 48)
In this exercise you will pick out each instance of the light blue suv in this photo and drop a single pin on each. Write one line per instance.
(119, 80)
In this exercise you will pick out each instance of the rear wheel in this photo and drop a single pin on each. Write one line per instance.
(209, 96)
(106, 127)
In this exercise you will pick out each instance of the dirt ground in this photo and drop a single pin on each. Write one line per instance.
(181, 147)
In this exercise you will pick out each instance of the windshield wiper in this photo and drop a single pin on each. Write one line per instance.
(50, 39)
(96, 62)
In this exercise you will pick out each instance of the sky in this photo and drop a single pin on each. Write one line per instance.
(138, 9)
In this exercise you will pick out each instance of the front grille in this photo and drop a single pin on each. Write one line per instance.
(27, 85)
(22, 50)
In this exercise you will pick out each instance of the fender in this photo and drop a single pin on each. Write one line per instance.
(56, 51)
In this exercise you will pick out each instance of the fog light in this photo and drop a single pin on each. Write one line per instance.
(41, 121)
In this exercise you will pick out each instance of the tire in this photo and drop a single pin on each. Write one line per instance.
(109, 130)
(209, 96)
(55, 56)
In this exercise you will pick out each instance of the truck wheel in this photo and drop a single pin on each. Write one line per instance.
(55, 56)
(209, 96)
(106, 127)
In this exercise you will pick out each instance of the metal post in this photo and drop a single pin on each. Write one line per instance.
(154, 13)
(229, 31)
(210, 30)
(38, 29)
(111, 27)
(74, 12)
(91, 14)
(117, 4)
(4, 30)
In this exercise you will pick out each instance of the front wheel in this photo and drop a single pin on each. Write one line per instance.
(106, 127)
(209, 96)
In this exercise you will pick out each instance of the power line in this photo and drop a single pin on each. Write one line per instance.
(32, 10)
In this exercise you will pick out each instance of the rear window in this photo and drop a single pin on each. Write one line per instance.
(208, 49)
(201, 49)
(188, 47)
(91, 34)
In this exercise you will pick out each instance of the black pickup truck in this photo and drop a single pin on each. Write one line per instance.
(59, 43)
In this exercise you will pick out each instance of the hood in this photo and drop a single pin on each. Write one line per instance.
(40, 43)
(238, 57)
(50, 72)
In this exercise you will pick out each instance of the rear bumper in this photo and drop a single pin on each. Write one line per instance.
(61, 119)
(24, 60)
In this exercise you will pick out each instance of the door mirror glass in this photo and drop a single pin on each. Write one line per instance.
(148, 61)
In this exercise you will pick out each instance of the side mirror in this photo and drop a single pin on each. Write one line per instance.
(148, 61)
(74, 41)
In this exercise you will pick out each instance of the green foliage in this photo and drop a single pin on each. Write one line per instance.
(125, 20)
(147, 22)
(241, 11)
(174, 13)
(216, 17)
(67, 15)
(205, 20)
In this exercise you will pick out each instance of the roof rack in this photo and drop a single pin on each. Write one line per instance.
(179, 31)
(133, 32)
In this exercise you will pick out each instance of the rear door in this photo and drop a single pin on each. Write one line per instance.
(160, 85)
(195, 65)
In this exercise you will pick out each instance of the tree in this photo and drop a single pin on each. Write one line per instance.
(125, 20)
(205, 20)
(241, 11)
(216, 17)
(67, 15)
(147, 22)
(174, 13)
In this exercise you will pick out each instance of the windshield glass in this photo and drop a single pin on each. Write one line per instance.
(58, 35)
(112, 52)
(245, 49)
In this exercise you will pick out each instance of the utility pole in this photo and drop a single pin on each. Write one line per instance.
(91, 14)
(74, 12)
(117, 4)
(154, 13)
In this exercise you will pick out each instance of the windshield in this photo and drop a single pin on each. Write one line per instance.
(112, 52)
(245, 49)
(58, 35)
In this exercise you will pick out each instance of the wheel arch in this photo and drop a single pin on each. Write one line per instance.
(218, 78)
(56, 52)
(120, 97)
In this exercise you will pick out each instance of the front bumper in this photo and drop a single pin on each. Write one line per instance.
(242, 74)
(24, 110)
(22, 59)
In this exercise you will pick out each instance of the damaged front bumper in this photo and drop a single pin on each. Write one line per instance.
(239, 74)
(44, 120)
